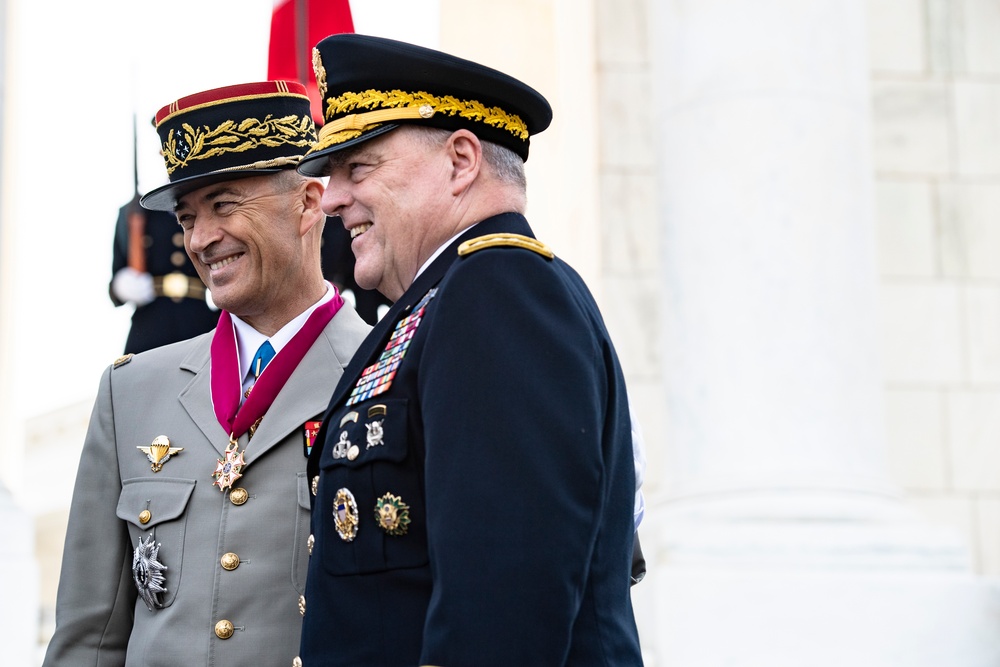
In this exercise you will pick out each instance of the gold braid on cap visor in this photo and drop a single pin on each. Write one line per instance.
(400, 105)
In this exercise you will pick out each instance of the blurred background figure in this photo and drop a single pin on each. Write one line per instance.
(151, 271)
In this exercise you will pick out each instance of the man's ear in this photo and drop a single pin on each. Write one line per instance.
(466, 154)
(312, 195)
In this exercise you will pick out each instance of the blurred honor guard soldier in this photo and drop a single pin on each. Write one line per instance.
(151, 271)
(473, 487)
(187, 538)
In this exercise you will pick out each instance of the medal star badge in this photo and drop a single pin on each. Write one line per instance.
(159, 452)
(229, 467)
(147, 572)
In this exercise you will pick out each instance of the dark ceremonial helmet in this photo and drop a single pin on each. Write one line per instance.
(371, 85)
(229, 133)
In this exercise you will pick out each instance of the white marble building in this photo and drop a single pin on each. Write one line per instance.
(789, 211)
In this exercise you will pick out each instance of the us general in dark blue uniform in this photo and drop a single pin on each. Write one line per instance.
(473, 483)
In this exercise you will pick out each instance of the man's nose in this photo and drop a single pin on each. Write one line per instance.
(336, 197)
(202, 235)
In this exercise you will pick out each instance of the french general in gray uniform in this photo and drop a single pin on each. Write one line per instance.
(187, 532)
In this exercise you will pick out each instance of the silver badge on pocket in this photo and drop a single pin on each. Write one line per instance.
(342, 446)
(147, 572)
(375, 434)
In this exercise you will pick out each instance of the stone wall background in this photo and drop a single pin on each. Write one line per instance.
(935, 88)
(935, 71)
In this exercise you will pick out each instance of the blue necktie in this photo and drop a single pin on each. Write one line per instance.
(263, 357)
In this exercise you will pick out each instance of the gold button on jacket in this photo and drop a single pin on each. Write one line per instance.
(230, 561)
(224, 629)
(238, 496)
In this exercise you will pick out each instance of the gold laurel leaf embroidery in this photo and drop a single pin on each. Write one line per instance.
(447, 104)
(205, 142)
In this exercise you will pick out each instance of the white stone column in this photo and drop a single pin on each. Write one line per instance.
(781, 540)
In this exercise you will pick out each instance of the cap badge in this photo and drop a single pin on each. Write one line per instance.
(320, 72)
(345, 515)
(159, 452)
(392, 514)
(147, 572)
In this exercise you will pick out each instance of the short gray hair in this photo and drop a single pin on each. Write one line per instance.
(505, 164)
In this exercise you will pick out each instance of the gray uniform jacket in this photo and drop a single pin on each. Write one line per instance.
(118, 501)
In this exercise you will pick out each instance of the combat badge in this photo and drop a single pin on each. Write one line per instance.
(345, 515)
(392, 514)
(147, 572)
(159, 452)
(228, 469)
(375, 433)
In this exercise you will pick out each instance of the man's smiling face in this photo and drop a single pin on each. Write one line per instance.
(242, 237)
(391, 193)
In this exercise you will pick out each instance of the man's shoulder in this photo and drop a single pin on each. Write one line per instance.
(504, 240)
(167, 356)
(346, 331)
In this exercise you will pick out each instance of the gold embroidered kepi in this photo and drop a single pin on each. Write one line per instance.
(228, 133)
(371, 85)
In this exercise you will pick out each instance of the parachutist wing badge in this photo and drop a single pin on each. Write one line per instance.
(159, 452)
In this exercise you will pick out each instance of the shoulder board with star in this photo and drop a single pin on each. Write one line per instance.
(122, 360)
(505, 241)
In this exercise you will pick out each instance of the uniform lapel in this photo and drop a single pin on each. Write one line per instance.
(196, 397)
(303, 396)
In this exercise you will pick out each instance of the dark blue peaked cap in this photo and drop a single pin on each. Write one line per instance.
(370, 85)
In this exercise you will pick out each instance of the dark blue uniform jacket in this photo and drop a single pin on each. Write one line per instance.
(505, 433)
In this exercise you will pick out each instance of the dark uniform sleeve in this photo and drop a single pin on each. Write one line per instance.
(514, 395)
(119, 251)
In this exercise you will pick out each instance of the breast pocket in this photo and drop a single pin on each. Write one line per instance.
(370, 500)
(157, 508)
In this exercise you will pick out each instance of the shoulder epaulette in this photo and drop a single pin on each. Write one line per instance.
(505, 240)
(122, 360)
